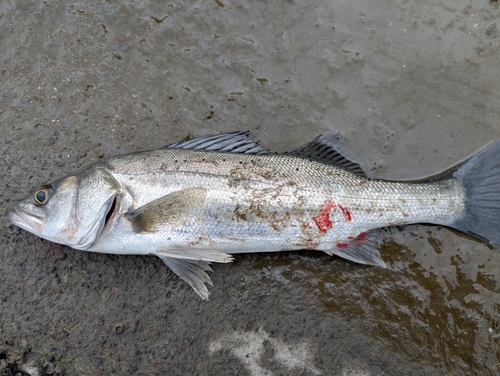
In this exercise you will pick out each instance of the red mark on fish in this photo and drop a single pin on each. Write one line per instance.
(361, 238)
(346, 213)
(323, 220)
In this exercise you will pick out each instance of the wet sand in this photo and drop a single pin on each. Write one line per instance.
(412, 84)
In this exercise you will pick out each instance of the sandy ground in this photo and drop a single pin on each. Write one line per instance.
(413, 84)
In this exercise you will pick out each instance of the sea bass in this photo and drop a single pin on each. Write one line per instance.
(199, 201)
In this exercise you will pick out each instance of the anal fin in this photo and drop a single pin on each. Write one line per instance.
(361, 248)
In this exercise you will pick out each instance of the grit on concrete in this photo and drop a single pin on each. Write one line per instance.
(413, 84)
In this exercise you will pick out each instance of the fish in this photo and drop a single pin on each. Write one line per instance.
(200, 201)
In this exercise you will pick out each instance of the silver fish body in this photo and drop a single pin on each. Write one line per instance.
(194, 203)
(237, 203)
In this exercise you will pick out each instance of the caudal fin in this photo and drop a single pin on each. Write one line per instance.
(480, 177)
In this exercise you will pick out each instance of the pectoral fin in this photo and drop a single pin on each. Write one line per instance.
(173, 208)
(193, 272)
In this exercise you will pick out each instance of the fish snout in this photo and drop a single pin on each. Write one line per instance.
(24, 221)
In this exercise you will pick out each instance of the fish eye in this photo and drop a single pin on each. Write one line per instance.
(41, 196)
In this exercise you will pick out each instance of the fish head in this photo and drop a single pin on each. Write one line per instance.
(71, 211)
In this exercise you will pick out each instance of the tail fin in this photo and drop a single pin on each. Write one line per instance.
(480, 176)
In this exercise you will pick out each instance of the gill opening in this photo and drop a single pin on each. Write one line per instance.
(110, 211)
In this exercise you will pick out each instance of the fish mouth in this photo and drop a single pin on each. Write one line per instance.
(94, 232)
(30, 223)
(25, 221)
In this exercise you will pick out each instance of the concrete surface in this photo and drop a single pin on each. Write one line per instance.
(412, 83)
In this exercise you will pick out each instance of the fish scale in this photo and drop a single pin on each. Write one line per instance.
(199, 201)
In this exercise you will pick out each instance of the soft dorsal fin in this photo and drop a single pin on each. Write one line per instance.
(231, 142)
(328, 148)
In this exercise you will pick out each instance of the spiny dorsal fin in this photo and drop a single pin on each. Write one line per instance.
(231, 142)
(328, 148)
(167, 210)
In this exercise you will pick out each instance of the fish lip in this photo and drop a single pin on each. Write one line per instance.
(28, 222)
(25, 221)
(87, 241)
